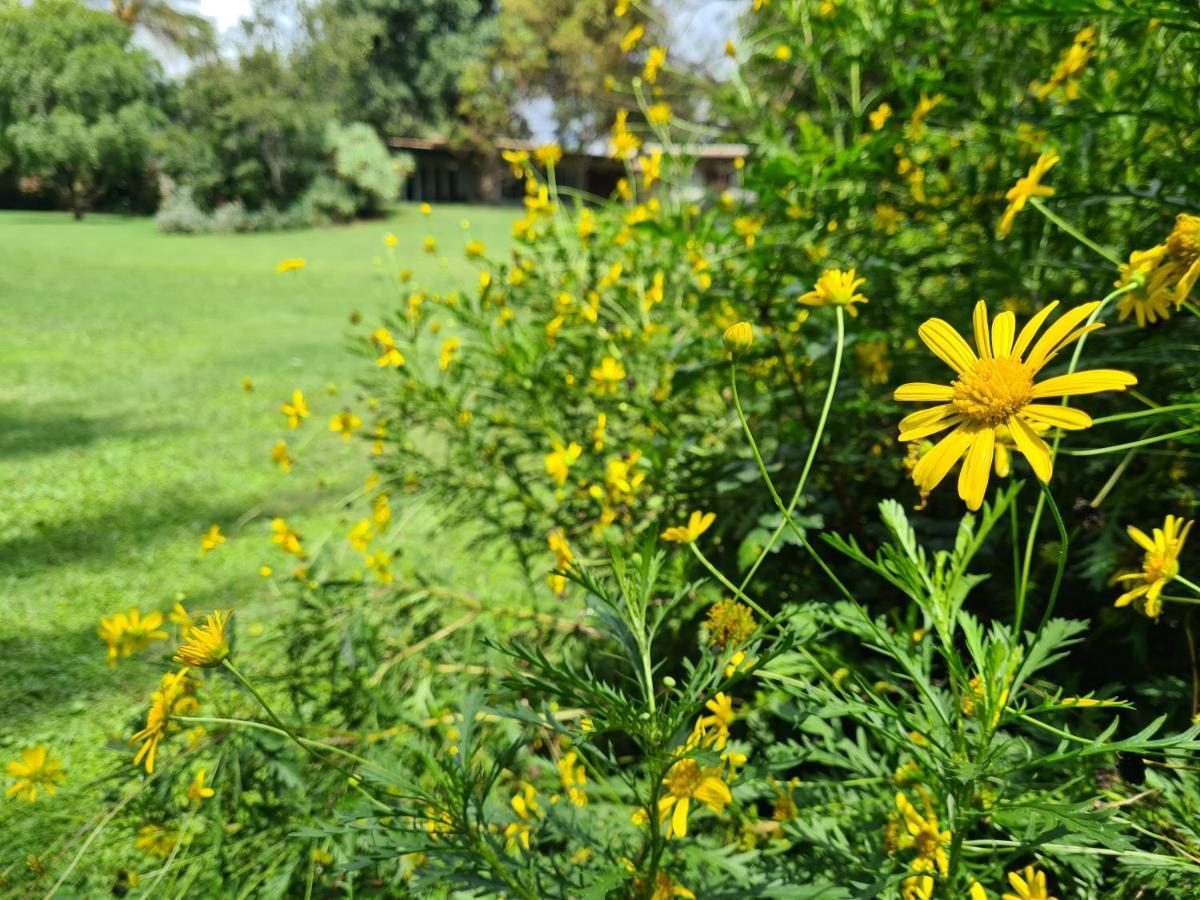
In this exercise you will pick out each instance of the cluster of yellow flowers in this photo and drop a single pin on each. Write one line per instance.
(126, 633)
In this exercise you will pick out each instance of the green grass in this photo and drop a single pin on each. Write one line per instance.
(125, 433)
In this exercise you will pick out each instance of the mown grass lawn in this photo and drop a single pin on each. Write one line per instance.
(125, 433)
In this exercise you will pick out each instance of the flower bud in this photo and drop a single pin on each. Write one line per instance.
(738, 338)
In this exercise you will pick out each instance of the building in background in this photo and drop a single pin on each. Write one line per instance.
(444, 175)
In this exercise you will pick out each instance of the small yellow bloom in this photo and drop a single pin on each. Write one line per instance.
(656, 58)
(449, 349)
(345, 423)
(548, 155)
(574, 778)
(608, 375)
(426, 209)
(697, 524)
(879, 116)
(1029, 885)
(130, 632)
(296, 410)
(360, 536)
(198, 791)
(247, 384)
(288, 540)
(36, 771)
(687, 781)
(659, 114)
(560, 459)
(290, 265)
(475, 249)
(729, 624)
(156, 840)
(430, 244)
(389, 355)
(563, 560)
(381, 510)
(836, 288)
(1029, 186)
(631, 38)
(783, 52)
(391, 240)
(281, 457)
(211, 540)
(205, 646)
(1160, 565)
(265, 571)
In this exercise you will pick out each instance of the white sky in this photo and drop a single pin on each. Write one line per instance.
(224, 12)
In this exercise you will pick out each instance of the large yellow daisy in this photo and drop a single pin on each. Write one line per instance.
(994, 388)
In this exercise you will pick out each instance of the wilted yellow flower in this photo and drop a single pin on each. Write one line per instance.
(296, 410)
(836, 288)
(36, 771)
(290, 265)
(345, 423)
(156, 840)
(1160, 565)
(608, 375)
(1029, 885)
(997, 388)
(205, 646)
(729, 624)
(656, 57)
(174, 689)
(879, 116)
(925, 106)
(697, 524)
(1028, 186)
(211, 540)
(449, 348)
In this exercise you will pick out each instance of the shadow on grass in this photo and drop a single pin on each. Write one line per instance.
(37, 430)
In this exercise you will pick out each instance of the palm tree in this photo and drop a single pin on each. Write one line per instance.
(187, 32)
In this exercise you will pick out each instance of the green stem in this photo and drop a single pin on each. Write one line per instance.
(1141, 442)
(1141, 413)
(1064, 547)
(1031, 539)
(812, 450)
(1187, 584)
(737, 591)
(1072, 230)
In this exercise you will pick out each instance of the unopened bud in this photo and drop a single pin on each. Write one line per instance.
(738, 338)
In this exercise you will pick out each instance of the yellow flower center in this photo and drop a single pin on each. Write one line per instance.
(684, 778)
(1164, 566)
(926, 842)
(992, 390)
(1184, 240)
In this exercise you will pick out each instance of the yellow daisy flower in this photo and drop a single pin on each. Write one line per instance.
(1029, 186)
(697, 524)
(36, 771)
(687, 781)
(205, 645)
(1160, 565)
(995, 388)
(296, 410)
(836, 288)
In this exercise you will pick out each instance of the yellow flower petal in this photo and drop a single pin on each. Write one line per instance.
(934, 465)
(1058, 416)
(922, 391)
(1025, 338)
(1091, 381)
(1032, 447)
(977, 468)
(1056, 335)
(925, 422)
(983, 341)
(947, 344)
(1004, 328)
